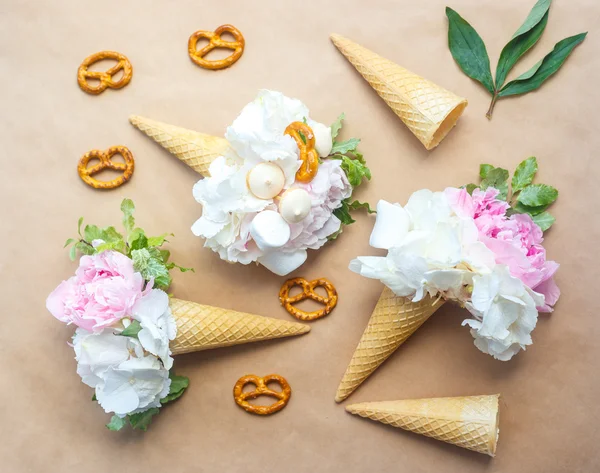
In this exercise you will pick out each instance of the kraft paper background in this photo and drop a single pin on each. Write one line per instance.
(549, 411)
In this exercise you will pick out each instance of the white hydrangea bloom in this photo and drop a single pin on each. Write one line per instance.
(505, 313)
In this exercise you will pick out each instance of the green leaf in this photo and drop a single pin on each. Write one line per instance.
(79, 222)
(356, 205)
(302, 137)
(524, 174)
(468, 50)
(544, 220)
(84, 248)
(116, 423)
(158, 240)
(165, 255)
(536, 195)
(142, 420)
(524, 38)
(536, 76)
(343, 213)
(526, 209)
(140, 242)
(497, 178)
(94, 397)
(337, 126)
(92, 232)
(484, 169)
(354, 169)
(68, 242)
(342, 147)
(127, 207)
(73, 253)
(470, 188)
(132, 329)
(178, 385)
(149, 263)
(180, 268)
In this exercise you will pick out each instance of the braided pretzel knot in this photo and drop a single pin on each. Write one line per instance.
(241, 398)
(105, 78)
(308, 153)
(308, 292)
(106, 162)
(215, 41)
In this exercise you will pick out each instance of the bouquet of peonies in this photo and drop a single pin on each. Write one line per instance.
(128, 328)
(473, 246)
(278, 185)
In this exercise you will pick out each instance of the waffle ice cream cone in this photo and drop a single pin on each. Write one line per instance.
(428, 110)
(392, 322)
(197, 150)
(468, 422)
(202, 327)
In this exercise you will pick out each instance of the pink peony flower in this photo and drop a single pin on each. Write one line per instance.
(516, 240)
(103, 291)
(326, 190)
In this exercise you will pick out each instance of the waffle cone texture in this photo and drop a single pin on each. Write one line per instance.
(428, 110)
(392, 322)
(202, 327)
(197, 150)
(468, 422)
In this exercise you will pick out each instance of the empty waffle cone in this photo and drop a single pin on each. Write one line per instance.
(392, 322)
(468, 422)
(202, 327)
(197, 150)
(428, 110)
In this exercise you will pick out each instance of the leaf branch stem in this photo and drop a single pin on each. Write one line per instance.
(492, 105)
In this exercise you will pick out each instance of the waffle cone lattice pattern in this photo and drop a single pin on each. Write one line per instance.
(468, 422)
(428, 110)
(202, 327)
(197, 150)
(392, 322)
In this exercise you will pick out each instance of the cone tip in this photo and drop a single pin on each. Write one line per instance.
(341, 395)
(336, 39)
(135, 119)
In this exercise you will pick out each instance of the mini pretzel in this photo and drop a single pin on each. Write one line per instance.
(106, 162)
(308, 292)
(216, 42)
(105, 78)
(308, 153)
(241, 398)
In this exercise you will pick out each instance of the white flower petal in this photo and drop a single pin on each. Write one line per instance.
(391, 225)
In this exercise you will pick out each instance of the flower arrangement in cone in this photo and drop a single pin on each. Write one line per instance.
(128, 327)
(471, 245)
(278, 185)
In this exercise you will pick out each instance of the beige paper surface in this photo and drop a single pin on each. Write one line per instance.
(549, 412)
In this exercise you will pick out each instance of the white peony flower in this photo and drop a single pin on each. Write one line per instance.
(158, 324)
(133, 386)
(96, 352)
(229, 208)
(430, 249)
(505, 313)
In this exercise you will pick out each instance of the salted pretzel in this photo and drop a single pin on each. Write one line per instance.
(305, 139)
(241, 398)
(105, 78)
(308, 292)
(215, 41)
(106, 162)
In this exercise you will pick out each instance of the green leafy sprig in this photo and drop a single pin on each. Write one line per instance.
(142, 420)
(149, 259)
(355, 167)
(470, 53)
(526, 197)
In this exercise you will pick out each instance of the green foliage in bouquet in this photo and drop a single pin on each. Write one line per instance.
(149, 259)
(525, 197)
(355, 167)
